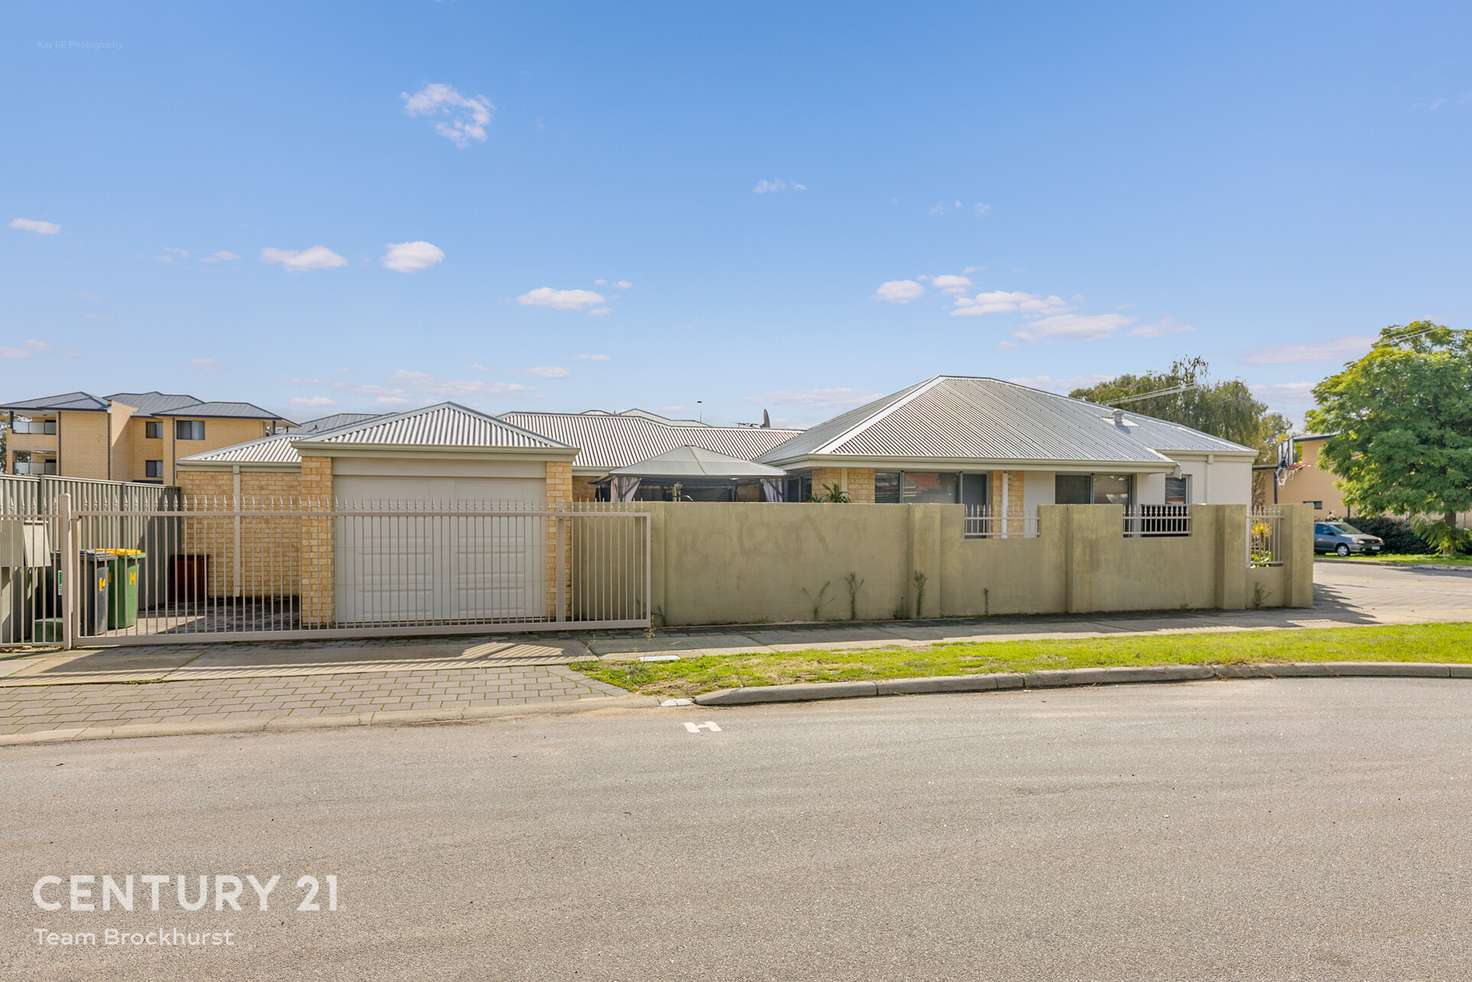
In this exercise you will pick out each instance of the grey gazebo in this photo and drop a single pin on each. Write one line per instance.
(695, 474)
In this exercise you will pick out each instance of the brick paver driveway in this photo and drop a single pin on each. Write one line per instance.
(36, 708)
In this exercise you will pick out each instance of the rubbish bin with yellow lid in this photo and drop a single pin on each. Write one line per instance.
(122, 598)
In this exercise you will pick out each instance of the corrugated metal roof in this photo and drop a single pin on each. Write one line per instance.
(153, 403)
(267, 450)
(445, 425)
(961, 418)
(221, 410)
(698, 462)
(67, 400)
(335, 421)
(609, 441)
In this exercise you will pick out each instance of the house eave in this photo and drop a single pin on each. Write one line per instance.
(973, 463)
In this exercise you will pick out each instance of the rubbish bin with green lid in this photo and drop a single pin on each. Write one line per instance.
(122, 607)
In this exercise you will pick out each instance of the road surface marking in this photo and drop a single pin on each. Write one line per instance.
(697, 727)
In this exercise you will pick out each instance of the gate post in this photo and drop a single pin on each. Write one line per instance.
(560, 528)
(67, 571)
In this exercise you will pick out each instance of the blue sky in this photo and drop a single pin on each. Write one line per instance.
(791, 207)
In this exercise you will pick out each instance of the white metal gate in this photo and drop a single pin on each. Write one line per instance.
(232, 569)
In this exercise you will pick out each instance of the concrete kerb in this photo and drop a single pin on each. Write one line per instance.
(1065, 678)
(274, 724)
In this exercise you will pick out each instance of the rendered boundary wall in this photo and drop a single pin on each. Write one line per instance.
(760, 563)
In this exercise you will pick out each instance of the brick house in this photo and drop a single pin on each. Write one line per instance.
(127, 436)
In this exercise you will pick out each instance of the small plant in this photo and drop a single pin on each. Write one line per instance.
(817, 601)
(919, 593)
(854, 585)
(832, 494)
(1259, 596)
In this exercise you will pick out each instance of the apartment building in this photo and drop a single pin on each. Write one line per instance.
(127, 436)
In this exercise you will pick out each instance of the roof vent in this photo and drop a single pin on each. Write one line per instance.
(1119, 418)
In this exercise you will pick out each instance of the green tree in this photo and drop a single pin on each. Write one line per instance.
(1403, 415)
(1225, 409)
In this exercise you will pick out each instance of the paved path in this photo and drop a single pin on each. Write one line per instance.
(92, 692)
(1216, 830)
(93, 709)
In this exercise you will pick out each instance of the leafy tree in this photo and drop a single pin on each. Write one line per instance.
(1403, 415)
(1225, 409)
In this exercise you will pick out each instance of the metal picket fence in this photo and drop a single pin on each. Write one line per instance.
(1157, 520)
(1265, 537)
(238, 569)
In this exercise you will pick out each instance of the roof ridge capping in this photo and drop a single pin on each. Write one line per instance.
(1111, 410)
(334, 437)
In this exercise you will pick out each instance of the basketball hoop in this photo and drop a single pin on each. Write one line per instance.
(1285, 473)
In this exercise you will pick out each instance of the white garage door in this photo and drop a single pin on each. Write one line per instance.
(408, 567)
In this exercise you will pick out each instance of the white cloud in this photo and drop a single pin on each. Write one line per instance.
(296, 260)
(980, 209)
(220, 256)
(549, 371)
(204, 362)
(545, 296)
(1291, 354)
(30, 347)
(464, 117)
(304, 381)
(776, 185)
(600, 312)
(1090, 327)
(404, 375)
(171, 255)
(593, 357)
(411, 257)
(1165, 327)
(625, 284)
(1007, 302)
(951, 283)
(898, 291)
(1297, 393)
(1052, 383)
(312, 402)
(35, 225)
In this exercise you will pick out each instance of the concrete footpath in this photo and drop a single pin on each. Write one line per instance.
(211, 688)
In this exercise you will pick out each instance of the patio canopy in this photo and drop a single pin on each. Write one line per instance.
(697, 463)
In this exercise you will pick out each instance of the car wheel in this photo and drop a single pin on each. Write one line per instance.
(1342, 549)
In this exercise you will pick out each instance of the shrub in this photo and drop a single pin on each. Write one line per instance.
(1398, 534)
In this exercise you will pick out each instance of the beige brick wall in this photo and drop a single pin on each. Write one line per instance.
(1016, 505)
(270, 546)
(217, 433)
(857, 481)
(584, 489)
(85, 444)
(559, 491)
(144, 448)
(318, 587)
(120, 439)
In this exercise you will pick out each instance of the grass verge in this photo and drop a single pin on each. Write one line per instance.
(692, 676)
(1401, 558)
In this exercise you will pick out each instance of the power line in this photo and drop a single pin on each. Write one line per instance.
(1174, 390)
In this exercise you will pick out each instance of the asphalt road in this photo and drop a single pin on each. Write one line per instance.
(1253, 830)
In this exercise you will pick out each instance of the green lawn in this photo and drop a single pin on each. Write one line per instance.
(1403, 557)
(691, 676)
